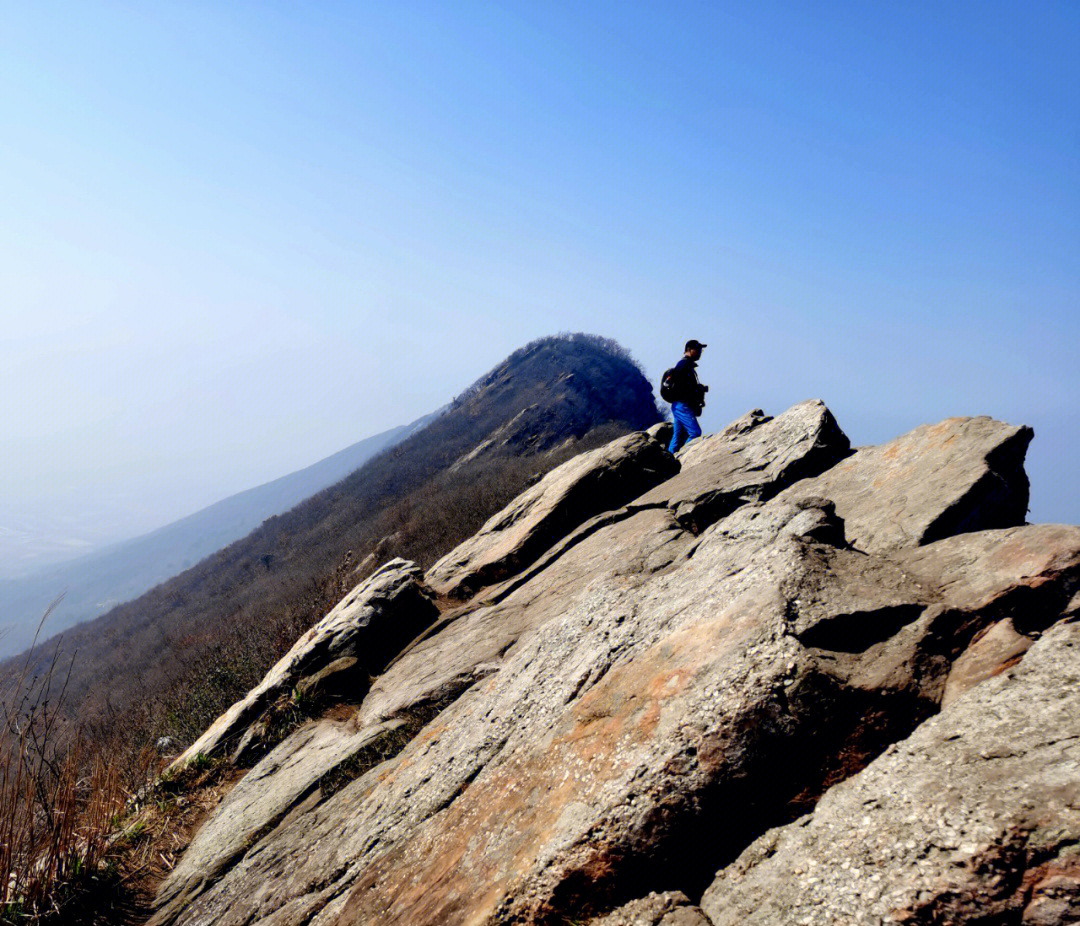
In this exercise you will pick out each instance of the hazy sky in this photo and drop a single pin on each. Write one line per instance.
(235, 238)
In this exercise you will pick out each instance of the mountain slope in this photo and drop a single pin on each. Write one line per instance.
(187, 648)
(120, 572)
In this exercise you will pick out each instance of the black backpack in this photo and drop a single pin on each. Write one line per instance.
(669, 385)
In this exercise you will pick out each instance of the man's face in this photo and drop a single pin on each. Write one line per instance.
(694, 353)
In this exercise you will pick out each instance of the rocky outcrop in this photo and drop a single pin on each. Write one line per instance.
(750, 461)
(472, 644)
(652, 691)
(570, 494)
(636, 541)
(357, 638)
(960, 475)
(975, 817)
(629, 728)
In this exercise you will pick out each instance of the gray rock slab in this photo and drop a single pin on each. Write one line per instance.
(626, 550)
(569, 495)
(974, 818)
(979, 566)
(969, 582)
(1011, 583)
(292, 772)
(635, 543)
(647, 706)
(466, 648)
(751, 460)
(956, 476)
(371, 624)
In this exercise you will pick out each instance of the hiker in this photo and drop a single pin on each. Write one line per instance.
(681, 388)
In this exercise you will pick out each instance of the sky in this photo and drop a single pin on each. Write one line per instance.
(235, 238)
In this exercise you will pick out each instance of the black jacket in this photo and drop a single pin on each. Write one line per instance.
(687, 388)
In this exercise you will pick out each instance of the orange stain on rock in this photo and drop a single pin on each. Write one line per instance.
(513, 814)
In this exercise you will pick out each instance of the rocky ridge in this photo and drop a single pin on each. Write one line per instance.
(774, 680)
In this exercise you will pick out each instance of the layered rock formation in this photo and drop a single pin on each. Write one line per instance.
(974, 817)
(370, 625)
(673, 684)
(589, 484)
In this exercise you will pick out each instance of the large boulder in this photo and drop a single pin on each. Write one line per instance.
(751, 460)
(959, 475)
(973, 819)
(570, 494)
(370, 625)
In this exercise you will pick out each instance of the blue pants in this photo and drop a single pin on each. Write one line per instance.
(686, 426)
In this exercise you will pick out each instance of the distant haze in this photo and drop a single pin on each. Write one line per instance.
(235, 239)
(94, 583)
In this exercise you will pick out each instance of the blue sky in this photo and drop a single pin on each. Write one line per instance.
(235, 238)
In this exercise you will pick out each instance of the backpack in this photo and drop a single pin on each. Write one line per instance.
(669, 385)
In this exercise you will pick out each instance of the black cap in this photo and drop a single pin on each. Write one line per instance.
(694, 345)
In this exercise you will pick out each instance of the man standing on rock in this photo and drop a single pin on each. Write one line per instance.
(681, 388)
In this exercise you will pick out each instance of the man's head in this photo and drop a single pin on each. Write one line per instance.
(693, 349)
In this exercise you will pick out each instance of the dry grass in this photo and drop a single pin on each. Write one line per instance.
(59, 800)
(153, 837)
(86, 835)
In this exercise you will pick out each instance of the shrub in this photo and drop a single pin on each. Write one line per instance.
(60, 797)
